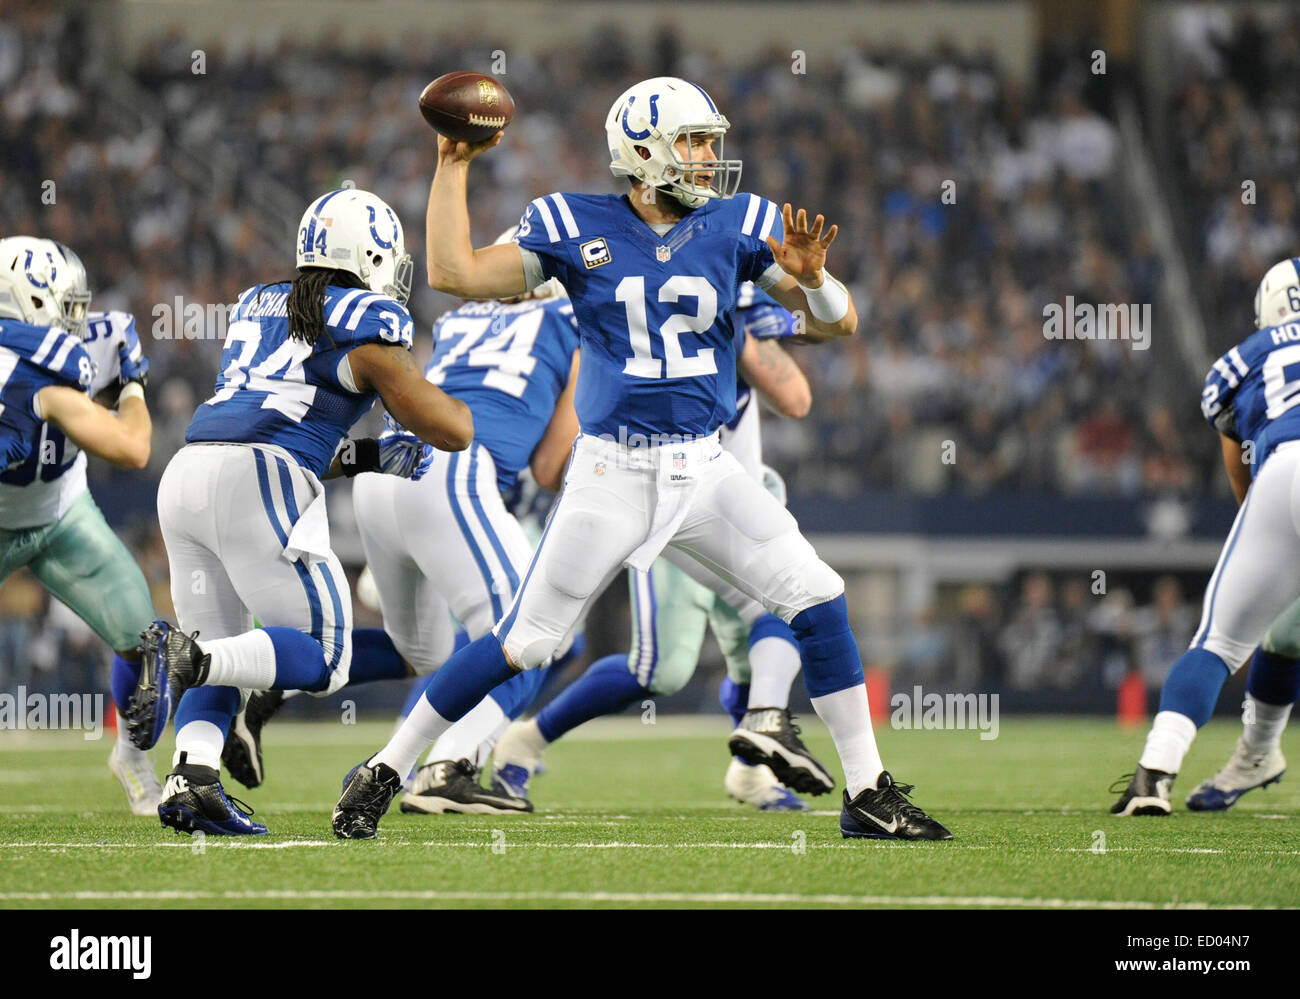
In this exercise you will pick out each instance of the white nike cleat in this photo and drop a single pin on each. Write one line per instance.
(143, 789)
(758, 786)
(1244, 772)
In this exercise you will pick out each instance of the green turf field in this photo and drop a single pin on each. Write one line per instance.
(634, 815)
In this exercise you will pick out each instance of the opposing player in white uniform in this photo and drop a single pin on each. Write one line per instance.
(653, 277)
(49, 522)
(678, 598)
(1252, 397)
(242, 507)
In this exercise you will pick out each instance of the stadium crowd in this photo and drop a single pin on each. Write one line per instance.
(967, 201)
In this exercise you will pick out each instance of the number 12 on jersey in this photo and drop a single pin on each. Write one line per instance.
(643, 364)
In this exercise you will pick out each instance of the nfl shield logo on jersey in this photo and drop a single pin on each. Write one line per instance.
(663, 254)
(679, 459)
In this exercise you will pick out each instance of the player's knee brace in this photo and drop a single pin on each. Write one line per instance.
(831, 661)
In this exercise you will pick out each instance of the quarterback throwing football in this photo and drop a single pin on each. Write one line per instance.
(653, 276)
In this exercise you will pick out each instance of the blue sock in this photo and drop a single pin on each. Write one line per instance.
(122, 681)
(734, 698)
(514, 696)
(374, 657)
(607, 686)
(299, 660)
(417, 688)
(829, 651)
(467, 677)
(1193, 684)
(217, 705)
(1274, 679)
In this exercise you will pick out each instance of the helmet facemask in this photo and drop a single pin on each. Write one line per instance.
(678, 173)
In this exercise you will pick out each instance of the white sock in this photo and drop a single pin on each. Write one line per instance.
(126, 751)
(422, 726)
(775, 663)
(201, 741)
(247, 660)
(1168, 742)
(472, 737)
(847, 715)
(1264, 733)
(529, 743)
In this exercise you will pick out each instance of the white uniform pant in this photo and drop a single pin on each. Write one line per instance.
(443, 544)
(622, 505)
(247, 538)
(1258, 575)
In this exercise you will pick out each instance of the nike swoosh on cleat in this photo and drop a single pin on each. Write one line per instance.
(892, 828)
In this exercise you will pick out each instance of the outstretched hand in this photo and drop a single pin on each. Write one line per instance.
(457, 151)
(803, 253)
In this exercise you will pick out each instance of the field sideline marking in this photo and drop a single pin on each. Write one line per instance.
(744, 898)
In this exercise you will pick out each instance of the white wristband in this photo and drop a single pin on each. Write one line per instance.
(828, 302)
(132, 390)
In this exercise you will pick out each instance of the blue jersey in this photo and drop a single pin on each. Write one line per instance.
(33, 358)
(1253, 391)
(508, 364)
(288, 393)
(654, 312)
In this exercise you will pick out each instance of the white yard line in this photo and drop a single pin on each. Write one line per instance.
(626, 898)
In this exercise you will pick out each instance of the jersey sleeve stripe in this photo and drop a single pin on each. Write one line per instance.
(751, 215)
(341, 306)
(47, 345)
(65, 348)
(570, 225)
(547, 218)
(363, 304)
(768, 220)
(1234, 356)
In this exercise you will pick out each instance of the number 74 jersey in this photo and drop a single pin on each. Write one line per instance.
(654, 310)
(1252, 393)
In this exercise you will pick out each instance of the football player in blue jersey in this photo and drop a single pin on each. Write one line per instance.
(242, 507)
(1252, 397)
(653, 276)
(675, 601)
(55, 358)
(446, 545)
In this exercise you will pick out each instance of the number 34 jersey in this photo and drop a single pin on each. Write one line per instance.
(508, 364)
(1252, 393)
(654, 311)
(297, 396)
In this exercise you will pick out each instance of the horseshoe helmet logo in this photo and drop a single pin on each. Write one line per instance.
(654, 118)
(386, 244)
(53, 274)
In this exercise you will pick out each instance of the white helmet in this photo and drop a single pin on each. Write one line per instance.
(43, 283)
(652, 115)
(1277, 300)
(355, 231)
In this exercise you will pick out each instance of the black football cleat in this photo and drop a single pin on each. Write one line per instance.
(883, 812)
(367, 793)
(242, 753)
(193, 800)
(448, 786)
(1147, 793)
(171, 664)
(769, 737)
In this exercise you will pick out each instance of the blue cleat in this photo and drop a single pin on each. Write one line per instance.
(193, 799)
(1244, 772)
(512, 780)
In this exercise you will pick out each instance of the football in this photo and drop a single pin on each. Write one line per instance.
(467, 107)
